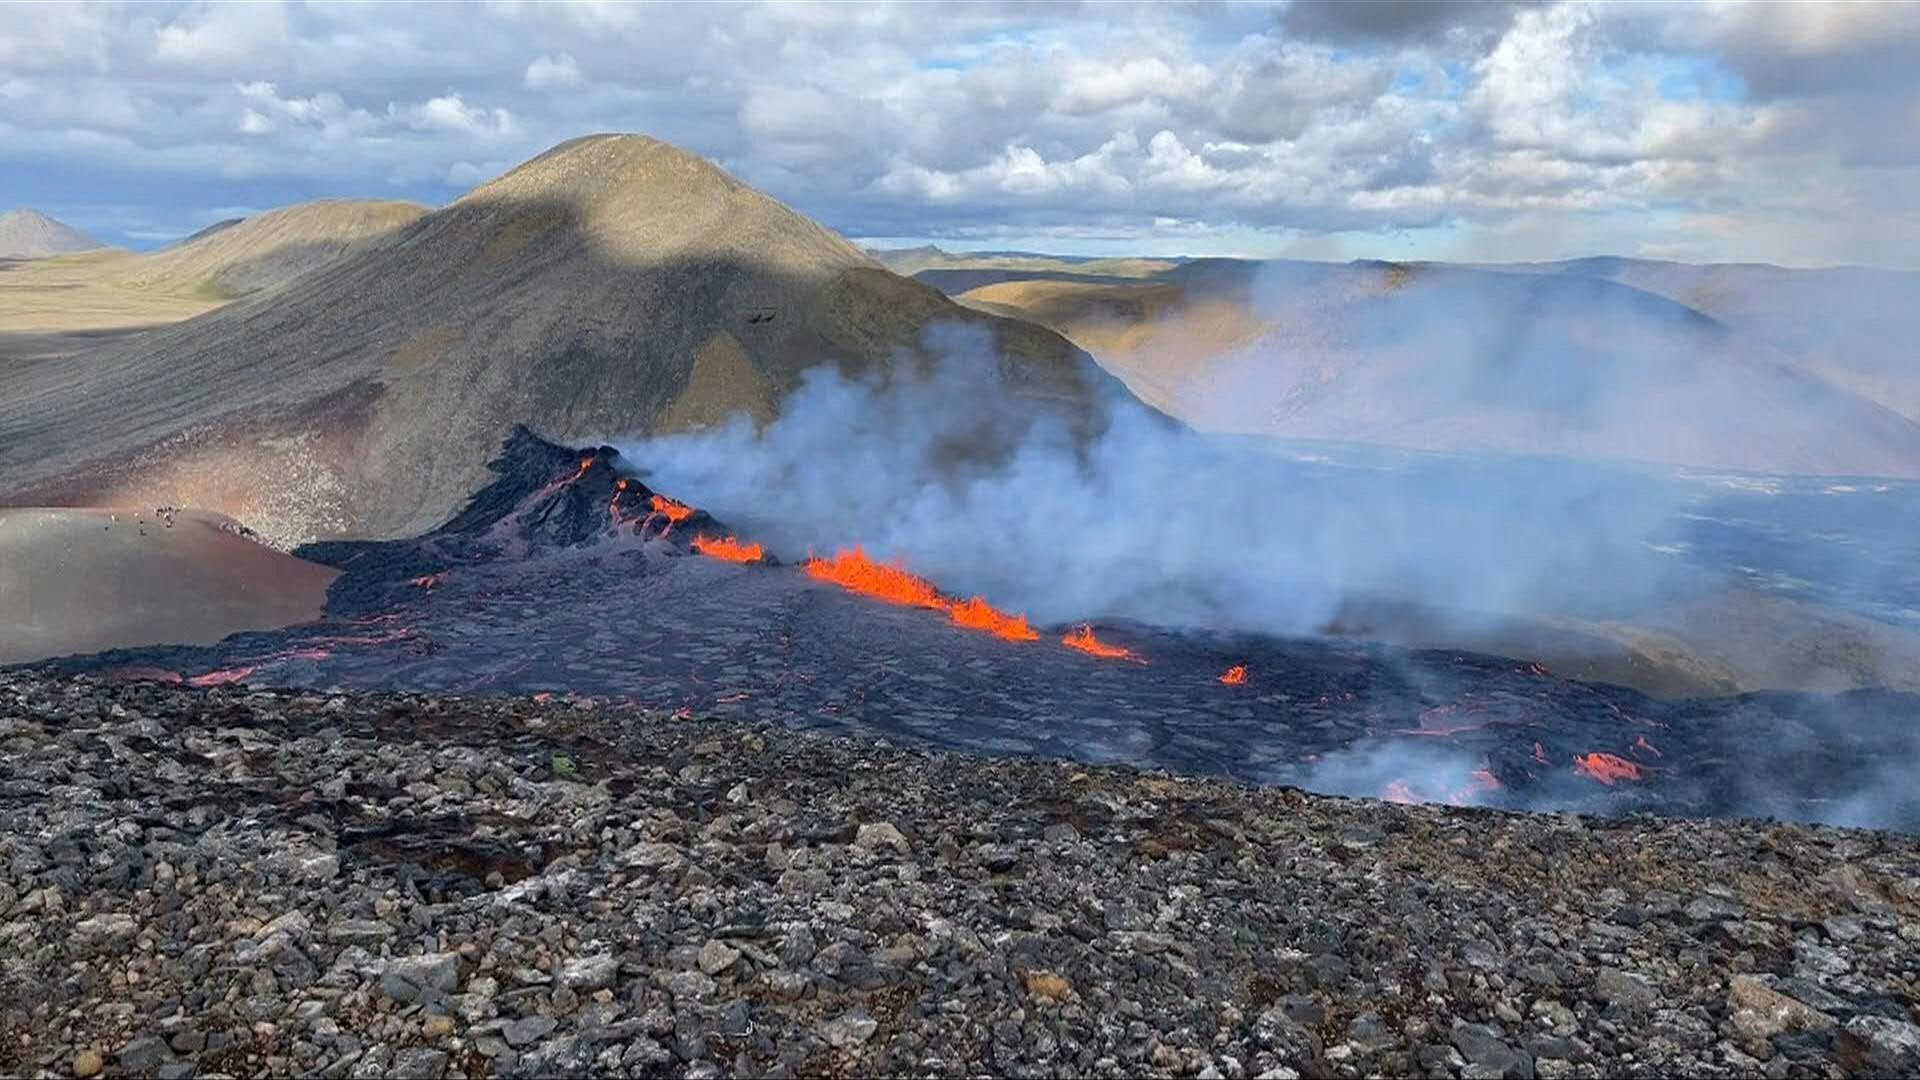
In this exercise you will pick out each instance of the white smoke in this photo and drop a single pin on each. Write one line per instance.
(1150, 521)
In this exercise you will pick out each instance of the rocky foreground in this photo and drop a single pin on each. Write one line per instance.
(239, 882)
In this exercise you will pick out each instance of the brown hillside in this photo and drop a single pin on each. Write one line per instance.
(614, 285)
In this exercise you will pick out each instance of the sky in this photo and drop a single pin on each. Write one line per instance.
(1401, 129)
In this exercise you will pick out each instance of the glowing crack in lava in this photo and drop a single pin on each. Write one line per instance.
(428, 581)
(1606, 768)
(1235, 675)
(728, 549)
(1083, 640)
(854, 572)
(613, 504)
(977, 614)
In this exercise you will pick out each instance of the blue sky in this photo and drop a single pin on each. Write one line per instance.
(1491, 130)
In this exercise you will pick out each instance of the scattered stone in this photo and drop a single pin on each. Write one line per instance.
(667, 912)
(717, 956)
(881, 834)
(849, 1030)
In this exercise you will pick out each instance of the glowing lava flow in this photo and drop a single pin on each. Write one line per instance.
(728, 549)
(1235, 676)
(673, 510)
(977, 614)
(1083, 640)
(1606, 768)
(854, 572)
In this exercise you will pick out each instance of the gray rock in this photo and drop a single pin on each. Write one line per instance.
(527, 1031)
(717, 956)
(850, 1029)
(142, 1054)
(1623, 989)
(881, 834)
(412, 978)
(1889, 1047)
(1488, 1055)
(418, 1062)
(589, 973)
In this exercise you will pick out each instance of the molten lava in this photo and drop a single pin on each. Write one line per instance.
(977, 614)
(854, 572)
(1399, 792)
(728, 549)
(428, 581)
(1640, 743)
(673, 510)
(1606, 768)
(1084, 640)
(1235, 676)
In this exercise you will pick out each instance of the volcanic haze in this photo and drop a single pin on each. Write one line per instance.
(1578, 362)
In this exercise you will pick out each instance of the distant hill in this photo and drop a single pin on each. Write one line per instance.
(1436, 357)
(613, 285)
(29, 234)
(1851, 326)
(235, 258)
(919, 261)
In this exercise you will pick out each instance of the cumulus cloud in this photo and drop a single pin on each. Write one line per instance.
(552, 73)
(1532, 128)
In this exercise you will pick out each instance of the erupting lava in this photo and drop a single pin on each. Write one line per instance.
(1083, 640)
(1605, 768)
(729, 549)
(977, 614)
(1235, 676)
(854, 572)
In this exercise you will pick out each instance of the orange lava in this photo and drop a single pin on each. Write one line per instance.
(1605, 768)
(1399, 792)
(674, 511)
(1235, 676)
(428, 581)
(728, 549)
(585, 464)
(222, 677)
(1084, 640)
(977, 614)
(854, 572)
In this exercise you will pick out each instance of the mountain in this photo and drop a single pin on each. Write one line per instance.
(1850, 326)
(29, 234)
(235, 258)
(612, 286)
(1447, 358)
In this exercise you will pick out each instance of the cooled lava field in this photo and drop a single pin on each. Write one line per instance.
(567, 576)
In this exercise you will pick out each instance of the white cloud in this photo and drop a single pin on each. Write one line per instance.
(552, 73)
(901, 120)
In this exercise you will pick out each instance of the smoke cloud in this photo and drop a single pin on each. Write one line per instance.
(1154, 522)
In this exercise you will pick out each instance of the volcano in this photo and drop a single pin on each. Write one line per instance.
(567, 575)
(612, 284)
